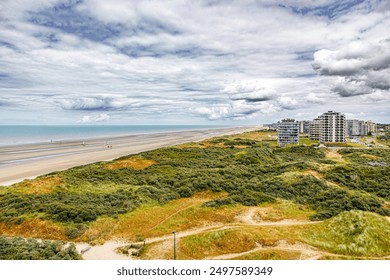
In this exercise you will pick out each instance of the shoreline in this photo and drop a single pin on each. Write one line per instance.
(28, 161)
(80, 138)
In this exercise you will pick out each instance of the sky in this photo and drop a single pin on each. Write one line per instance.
(205, 62)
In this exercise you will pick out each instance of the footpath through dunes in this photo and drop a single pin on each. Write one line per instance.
(31, 160)
(159, 247)
(249, 237)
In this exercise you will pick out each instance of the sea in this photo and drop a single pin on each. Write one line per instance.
(28, 134)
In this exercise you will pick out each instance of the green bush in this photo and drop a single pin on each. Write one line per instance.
(219, 202)
(17, 248)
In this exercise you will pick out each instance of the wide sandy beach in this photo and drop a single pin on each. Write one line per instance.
(29, 161)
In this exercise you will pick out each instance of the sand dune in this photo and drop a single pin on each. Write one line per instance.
(29, 161)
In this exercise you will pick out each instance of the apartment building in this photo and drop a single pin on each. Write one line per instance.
(288, 132)
(360, 128)
(304, 126)
(332, 127)
(314, 130)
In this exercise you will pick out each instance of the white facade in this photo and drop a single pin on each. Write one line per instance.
(332, 127)
(288, 132)
(360, 128)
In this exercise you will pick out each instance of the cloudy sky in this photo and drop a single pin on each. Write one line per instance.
(192, 62)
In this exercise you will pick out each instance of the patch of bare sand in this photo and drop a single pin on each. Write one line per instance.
(102, 252)
(159, 251)
(307, 251)
(249, 216)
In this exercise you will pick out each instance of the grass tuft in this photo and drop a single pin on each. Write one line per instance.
(355, 233)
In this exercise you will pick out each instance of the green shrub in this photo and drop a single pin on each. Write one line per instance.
(17, 248)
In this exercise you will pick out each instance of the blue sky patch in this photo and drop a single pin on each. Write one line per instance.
(330, 11)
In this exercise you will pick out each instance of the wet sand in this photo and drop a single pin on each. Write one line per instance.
(29, 161)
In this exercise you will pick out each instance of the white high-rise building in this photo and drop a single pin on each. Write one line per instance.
(360, 128)
(353, 128)
(314, 130)
(288, 132)
(332, 127)
(304, 126)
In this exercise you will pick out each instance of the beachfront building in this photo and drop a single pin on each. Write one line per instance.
(360, 128)
(304, 126)
(314, 130)
(332, 127)
(288, 132)
(371, 127)
(353, 128)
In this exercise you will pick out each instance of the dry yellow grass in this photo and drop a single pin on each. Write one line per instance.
(35, 228)
(257, 135)
(156, 220)
(237, 240)
(203, 145)
(38, 186)
(216, 243)
(98, 231)
(240, 147)
(134, 162)
(282, 210)
(334, 155)
(313, 173)
(271, 254)
(370, 156)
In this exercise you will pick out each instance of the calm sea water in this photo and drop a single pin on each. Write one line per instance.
(21, 134)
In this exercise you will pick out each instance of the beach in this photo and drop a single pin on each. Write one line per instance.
(28, 161)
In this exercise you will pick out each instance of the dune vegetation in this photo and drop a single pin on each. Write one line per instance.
(355, 233)
(201, 184)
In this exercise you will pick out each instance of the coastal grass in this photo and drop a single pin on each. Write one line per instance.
(34, 228)
(216, 243)
(284, 209)
(259, 135)
(334, 156)
(270, 254)
(354, 233)
(155, 219)
(307, 141)
(41, 185)
(237, 240)
(136, 163)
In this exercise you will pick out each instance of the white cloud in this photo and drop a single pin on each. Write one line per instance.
(153, 59)
(355, 58)
(288, 103)
(251, 91)
(361, 67)
(95, 118)
(315, 98)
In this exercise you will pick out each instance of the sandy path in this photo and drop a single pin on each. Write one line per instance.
(248, 217)
(158, 251)
(29, 161)
(102, 252)
(307, 252)
(107, 250)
